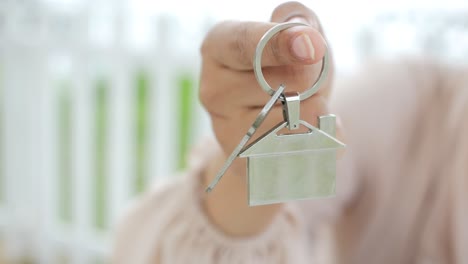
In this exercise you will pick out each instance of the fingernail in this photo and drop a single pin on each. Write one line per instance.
(302, 47)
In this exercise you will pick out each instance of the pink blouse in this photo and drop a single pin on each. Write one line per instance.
(402, 190)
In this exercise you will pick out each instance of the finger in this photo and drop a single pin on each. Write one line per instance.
(295, 11)
(232, 44)
(243, 89)
(234, 126)
(238, 89)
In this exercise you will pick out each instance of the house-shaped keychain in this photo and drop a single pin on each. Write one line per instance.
(288, 166)
(293, 166)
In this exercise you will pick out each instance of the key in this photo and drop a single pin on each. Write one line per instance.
(289, 166)
(258, 121)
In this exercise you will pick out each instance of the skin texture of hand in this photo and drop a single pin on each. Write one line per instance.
(233, 98)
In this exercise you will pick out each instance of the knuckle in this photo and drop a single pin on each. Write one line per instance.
(205, 94)
(204, 47)
(239, 45)
(209, 42)
(314, 20)
(289, 9)
(209, 96)
(289, 6)
(286, 11)
(237, 42)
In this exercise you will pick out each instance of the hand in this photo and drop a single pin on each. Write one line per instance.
(229, 90)
(233, 98)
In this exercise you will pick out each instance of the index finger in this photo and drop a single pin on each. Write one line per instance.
(232, 44)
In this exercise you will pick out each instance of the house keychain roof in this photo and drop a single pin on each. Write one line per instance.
(316, 139)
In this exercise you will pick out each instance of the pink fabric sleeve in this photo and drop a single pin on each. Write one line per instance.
(168, 225)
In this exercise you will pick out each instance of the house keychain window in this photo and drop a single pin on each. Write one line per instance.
(293, 166)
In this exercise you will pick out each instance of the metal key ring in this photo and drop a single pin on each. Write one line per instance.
(257, 61)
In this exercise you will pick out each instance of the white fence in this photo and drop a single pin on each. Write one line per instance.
(84, 127)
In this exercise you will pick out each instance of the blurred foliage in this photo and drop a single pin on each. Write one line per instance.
(64, 151)
(186, 103)
(186, 96)
(141, 126)
(100, 158)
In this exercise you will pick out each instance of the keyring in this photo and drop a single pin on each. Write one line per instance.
(257, 61)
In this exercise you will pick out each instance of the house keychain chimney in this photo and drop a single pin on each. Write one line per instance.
(292, 166)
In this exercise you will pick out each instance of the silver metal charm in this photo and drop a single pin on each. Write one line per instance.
(285, 167)
(291, 111)
(291, 166)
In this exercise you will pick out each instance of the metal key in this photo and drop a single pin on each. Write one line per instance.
(258, 121)
(287, 166)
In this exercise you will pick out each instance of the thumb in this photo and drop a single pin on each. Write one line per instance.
(232, 44)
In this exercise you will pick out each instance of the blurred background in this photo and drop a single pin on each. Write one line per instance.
(98, 101)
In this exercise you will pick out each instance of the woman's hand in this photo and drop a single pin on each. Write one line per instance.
(230, 93)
